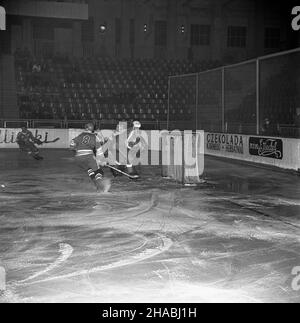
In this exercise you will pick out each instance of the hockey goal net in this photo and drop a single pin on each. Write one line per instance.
(183, 156)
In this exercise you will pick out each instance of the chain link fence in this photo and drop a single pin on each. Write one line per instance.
(256, 97)
(182, 104)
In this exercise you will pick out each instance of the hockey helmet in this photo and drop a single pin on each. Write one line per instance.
(136, 124)
(90, 127)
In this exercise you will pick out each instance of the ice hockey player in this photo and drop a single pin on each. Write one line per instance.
(131, 141)
(134, 138)
(85, 146)
(27, 141)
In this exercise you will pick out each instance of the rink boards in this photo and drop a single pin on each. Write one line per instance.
(278, 152)
(8, 137)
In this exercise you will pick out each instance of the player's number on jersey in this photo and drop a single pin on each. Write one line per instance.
(86, 140)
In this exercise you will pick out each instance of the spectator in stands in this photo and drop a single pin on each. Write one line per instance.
(36, 68)
(266, 128)
(35, 78)
(269, 129)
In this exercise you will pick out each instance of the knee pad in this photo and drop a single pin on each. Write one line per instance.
(91, 174)
(99, 174)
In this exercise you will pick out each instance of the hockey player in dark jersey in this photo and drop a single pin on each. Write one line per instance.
(27, 141)
(85, 145)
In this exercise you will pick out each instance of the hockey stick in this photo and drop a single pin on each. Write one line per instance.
(39, 142)
(52, 141)
(123, 173)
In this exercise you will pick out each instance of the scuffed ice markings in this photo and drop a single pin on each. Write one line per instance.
(2, 280)
(65, 251)
(154, 247)
(296, 280)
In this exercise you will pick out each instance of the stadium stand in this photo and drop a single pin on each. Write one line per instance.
(97, 88)
(66, 88)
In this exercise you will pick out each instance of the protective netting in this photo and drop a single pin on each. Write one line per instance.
(240, 98)
(182, 102)
(209, 113)
(257, 97)
(279, 98)
(183, 156)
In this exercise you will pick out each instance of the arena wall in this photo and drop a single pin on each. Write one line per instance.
(279, 152)
(8, 137)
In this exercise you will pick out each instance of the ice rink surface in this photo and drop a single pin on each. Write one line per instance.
(234, 239)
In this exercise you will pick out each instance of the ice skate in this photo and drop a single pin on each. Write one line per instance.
(37, 157)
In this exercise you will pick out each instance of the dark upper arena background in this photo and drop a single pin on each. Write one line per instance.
(69, 61)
